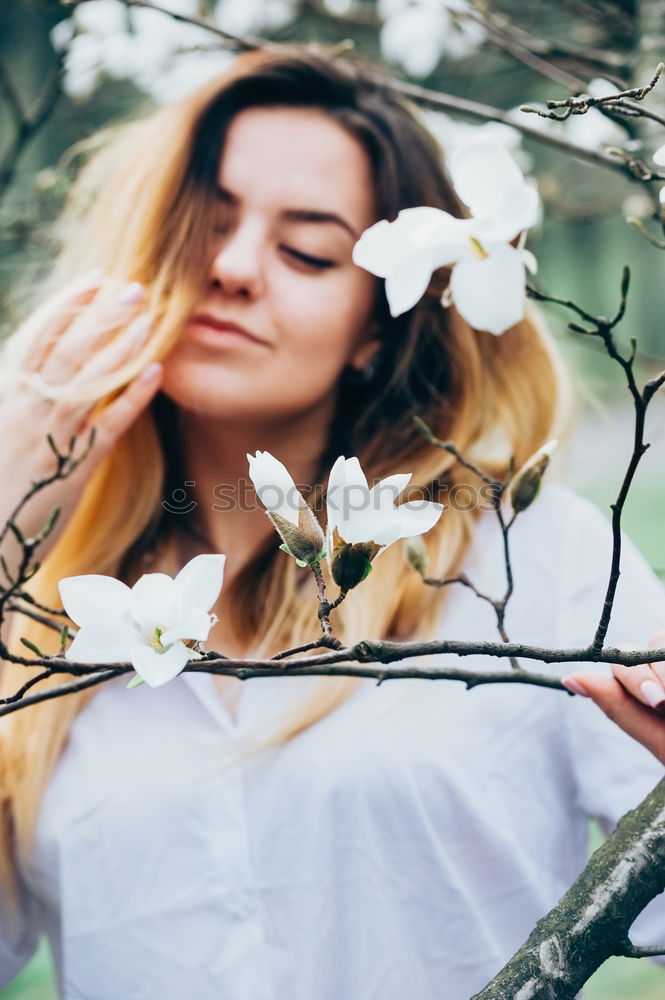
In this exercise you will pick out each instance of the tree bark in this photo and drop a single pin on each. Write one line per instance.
(593, 920)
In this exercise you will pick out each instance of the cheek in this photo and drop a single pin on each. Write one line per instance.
(326, 321)
(316, 325)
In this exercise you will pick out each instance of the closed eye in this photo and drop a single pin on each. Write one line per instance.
(318, 263)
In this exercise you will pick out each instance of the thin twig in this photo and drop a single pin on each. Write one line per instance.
(37, 616)
(325, 606)
(498, 489)
(23, 595)
(450, 447)
(579, 105)
(366, 654)
(18, 694)
(99, 677)
(26, 123)
(510, 43)
(11, 96)
(238, 43)
(324, 641)
(65, 465)
(636, 951)
(428, 98)
(602, 327)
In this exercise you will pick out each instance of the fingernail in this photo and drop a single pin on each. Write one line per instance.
(139, 327)
(131, 294)
(574, 687)
(652, 693)
(150, 373)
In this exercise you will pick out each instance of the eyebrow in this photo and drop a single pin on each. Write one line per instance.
(299, 214)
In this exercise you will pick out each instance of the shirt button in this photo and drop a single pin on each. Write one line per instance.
(240, 906)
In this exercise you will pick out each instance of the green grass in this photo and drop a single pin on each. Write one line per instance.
(624, 978)
(619, 979)
(36, 982)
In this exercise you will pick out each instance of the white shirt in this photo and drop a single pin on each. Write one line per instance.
(404, 846)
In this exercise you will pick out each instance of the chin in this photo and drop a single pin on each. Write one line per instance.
(220, 394)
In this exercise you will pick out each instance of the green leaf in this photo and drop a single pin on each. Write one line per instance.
(33, 649)
(53, 446)
(64, 636)
(135, 681)
(52, 521)
(5, 570)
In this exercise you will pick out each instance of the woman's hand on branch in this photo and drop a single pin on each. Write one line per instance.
(76, 340)
(634, 698)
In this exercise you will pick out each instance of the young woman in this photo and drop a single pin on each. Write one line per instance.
(291, 837)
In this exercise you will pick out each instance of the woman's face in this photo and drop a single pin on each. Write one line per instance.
(285, 309)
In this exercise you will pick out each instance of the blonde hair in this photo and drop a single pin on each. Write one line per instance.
(138, 211)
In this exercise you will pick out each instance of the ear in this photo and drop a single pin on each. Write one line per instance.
(366, 350)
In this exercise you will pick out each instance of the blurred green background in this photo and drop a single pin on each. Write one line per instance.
(582, 244)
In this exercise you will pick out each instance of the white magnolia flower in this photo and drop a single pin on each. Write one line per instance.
(488, 279)
(414, 38)
(185, 73)
(452, 134)
(287, 508)
(594, 130)
(146, 625)
(103, 17)
(164, 57)
(242, 16)
(416, 34)
(362, 522)
(83, 66)
(659, 156)
(338, 7)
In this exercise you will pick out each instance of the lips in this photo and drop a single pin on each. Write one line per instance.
(224, 326)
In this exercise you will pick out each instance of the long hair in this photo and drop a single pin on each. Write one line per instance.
(140, 211)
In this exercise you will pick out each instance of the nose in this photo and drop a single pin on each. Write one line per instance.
(236, 267)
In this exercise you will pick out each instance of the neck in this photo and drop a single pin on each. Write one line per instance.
(229, 515)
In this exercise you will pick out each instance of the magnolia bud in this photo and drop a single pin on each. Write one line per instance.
(306, 542)
(525, 484)
(351, 564)
(415, 552)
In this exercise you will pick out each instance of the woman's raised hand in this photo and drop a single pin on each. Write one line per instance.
(634, 698)
(75, 341)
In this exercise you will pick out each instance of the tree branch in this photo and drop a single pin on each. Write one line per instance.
(367, 653)
(26, 123)
(634, 951)
(37, 616)
(602, 327)
(592, 921)
(421, 95)
(498, 489)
